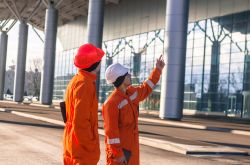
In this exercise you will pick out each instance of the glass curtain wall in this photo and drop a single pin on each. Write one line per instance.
(64, 71)
(217, 65)
(138, 53)
(217, 75)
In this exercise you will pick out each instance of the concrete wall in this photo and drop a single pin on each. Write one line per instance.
(202, 9)
(73, 33)
(131, 17)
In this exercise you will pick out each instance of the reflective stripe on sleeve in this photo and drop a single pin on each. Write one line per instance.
(133, 96)
(123, 103)
(150, 83)
(114, 141)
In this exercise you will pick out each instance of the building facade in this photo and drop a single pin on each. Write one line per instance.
(217, 67)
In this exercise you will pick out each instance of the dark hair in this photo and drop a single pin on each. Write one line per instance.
(119, 80)
(92, 67)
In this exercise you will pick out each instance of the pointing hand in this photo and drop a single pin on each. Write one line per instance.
(160, 63)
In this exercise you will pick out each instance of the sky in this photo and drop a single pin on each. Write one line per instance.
(34, 47)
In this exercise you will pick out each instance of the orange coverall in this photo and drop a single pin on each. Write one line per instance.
(120, 114)
(81, 139)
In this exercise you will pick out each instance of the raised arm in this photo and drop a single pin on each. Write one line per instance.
(141, 92)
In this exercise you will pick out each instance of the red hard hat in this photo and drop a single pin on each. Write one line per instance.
(87, 55)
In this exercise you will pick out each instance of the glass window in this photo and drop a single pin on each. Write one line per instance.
(190, 44)
(236, 67)
(135, 41)
(207, 69)
(198, 51)
(202, 24)
(198, 60)
(240, 28)
(223, 80)
(235, 48)
(188, 78)
(189, 61)
(188, 70)
(189, 53)
(224, 58)
(191, 26)
(206, 79)
(237, 57)
(143, 40)
(225, 37)
(225, 49)
(197, 69)
(226, 20)
(199, 33)
(240, 17)
(196, 80)
(199, 42)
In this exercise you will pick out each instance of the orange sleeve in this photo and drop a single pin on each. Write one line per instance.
(83, 100)
(141, 92)
(111, 116)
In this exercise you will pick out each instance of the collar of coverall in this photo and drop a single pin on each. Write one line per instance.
(119, 92)
(87, 74)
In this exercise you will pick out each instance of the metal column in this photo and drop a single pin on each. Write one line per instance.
(214, 78)
(3, 53)
(47, 80)
(95, 27)
(21, 62)
(172, 88)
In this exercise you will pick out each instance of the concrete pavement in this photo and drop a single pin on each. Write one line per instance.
(27, 141)
(195, 136)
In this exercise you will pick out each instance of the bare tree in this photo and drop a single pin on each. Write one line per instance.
(34, 76)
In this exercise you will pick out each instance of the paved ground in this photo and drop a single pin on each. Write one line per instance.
(25, 140)
(28, 142)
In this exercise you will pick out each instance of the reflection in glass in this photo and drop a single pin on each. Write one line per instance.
(225, 77)
(217, 75)
(137, 53)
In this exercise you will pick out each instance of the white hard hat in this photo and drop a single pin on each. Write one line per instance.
(114, 71)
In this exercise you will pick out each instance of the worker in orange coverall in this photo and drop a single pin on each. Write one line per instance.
(120, 113)
(81, 139)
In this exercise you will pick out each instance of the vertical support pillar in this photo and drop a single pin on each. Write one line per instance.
(245, 111)
(246, 79)
(21, 62)
(172, 87)
(47, 80)
(213, 102)
(95, 27)
(3, 53)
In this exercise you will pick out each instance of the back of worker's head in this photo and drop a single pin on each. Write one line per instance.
(88, 57)
(115, 74)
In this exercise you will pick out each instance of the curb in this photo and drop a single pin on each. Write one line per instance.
(172, 123)
(193, 150)
(52, 121)
(41, 105)
(196, 126)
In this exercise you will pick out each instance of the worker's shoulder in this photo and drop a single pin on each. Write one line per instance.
(110, 105)
(113, 99)
(79, 83)
(131, 89)
(71, 83)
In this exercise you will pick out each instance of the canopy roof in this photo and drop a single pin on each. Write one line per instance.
(33, 11)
